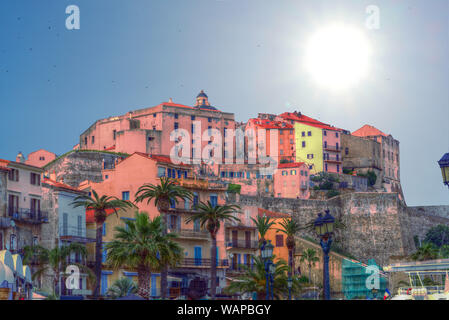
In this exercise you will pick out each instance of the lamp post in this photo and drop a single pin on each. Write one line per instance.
(289, 284)
(324, 228)
(444, 165)
(272, 271)
(374, 292)
(266, 251)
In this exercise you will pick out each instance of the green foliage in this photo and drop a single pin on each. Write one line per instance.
(438, 235)
(332, 193)
(428, 251)
(143, 243)
(234, 188)
(283, 161)
(371, 175)
(263, 224)
(121, 154)
(254, 280)
(444, 251)
(347, 171)
(122, 287)
(167, 190)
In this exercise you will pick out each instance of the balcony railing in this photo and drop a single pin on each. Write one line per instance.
(243, 244)
(28, 215)
(75, 234)
(190, 233)
(332, 159)
(194, 262)
(332, 147)
(238, 268)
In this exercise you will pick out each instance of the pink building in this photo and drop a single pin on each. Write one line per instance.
(291, 180)
(148, 130)
(40, 158)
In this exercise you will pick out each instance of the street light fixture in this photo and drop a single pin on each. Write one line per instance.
(324, 228)
(444, 165)
(266, 252)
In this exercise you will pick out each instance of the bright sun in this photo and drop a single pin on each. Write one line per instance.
(337, 56)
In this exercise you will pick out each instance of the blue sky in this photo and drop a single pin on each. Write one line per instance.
(246, 55)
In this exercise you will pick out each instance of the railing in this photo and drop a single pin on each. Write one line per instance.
(332, 147)
(335, 159)
(77, 234)
(194, 262)
(245, 244)
(239, 267)
(201, 184)
(190, 233)
(28, 215)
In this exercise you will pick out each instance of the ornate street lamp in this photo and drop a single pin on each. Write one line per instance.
(324, 228)
(444, 165)
(374, 292)
(289, 284)
(266, 252)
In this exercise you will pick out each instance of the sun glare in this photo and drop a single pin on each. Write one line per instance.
(337, 56)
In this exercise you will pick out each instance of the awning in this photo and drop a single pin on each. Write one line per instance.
(27, 274)
(6, 274)
(6, 259)
(37, 296)
(18, 267)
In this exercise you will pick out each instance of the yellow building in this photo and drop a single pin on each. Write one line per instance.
(309, 146)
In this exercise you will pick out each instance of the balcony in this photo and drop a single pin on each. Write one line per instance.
(238, 268)
(193, 262)
(74, 234)
(333, 159)
(201, 184)
(28, 215)
(249, 225)
(242, 244)
(333, 148)
(190, 233)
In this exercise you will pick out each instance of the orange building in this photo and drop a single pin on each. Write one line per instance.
(278, 239)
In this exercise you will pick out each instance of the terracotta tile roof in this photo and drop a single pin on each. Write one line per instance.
(368, 130)
(6, 163)
(261, 212)
(290, 165)
(160, 158)
(270, 124)
(307, 120)
(60, 185)
(110, 148)
(90, 214)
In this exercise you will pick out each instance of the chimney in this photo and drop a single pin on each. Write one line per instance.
(170, 100)
(20, 158)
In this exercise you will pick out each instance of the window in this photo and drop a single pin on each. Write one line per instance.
(176, 125)
(325, 144)
(192, 117)
(324, 132)
(346, 151)
(13, 242)
(279, 240)
(213, 200)
(325, 167)
(336, 134)
(303, 144)
(85, 141)
(172, 204)
(338, 168)
(293, 172)
(114, 134)
(65, 224)
(42, 158)
(154, 115)
(176, 116)
(209, 119)
(192, 128)
(13, 175)
(248, 175)
(106, 177)
(80, 225)
(281, 152)
(93, 139)
(125, 195)
(309, 133)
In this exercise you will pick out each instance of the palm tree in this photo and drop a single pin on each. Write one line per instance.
(55, 260)
(290, 228)
(211, 216)
(427, 251)
(143, 245)
(163, 194)
(263, 224)
(254, 280)
(309, 256)
(100, 205)
(122, 287)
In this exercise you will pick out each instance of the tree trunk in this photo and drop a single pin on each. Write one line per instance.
(310, 272)
(163, 208)
(98, 258)
(213, 267)
(143, 279)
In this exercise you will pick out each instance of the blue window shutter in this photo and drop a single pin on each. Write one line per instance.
(198, 255)
(239, 260)
(185, 174)
(245, 259)
(213, 200)
(172, 203)
(104, 283)
(104, 229)
(104, 254)
(218, 255)
(248, 175)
